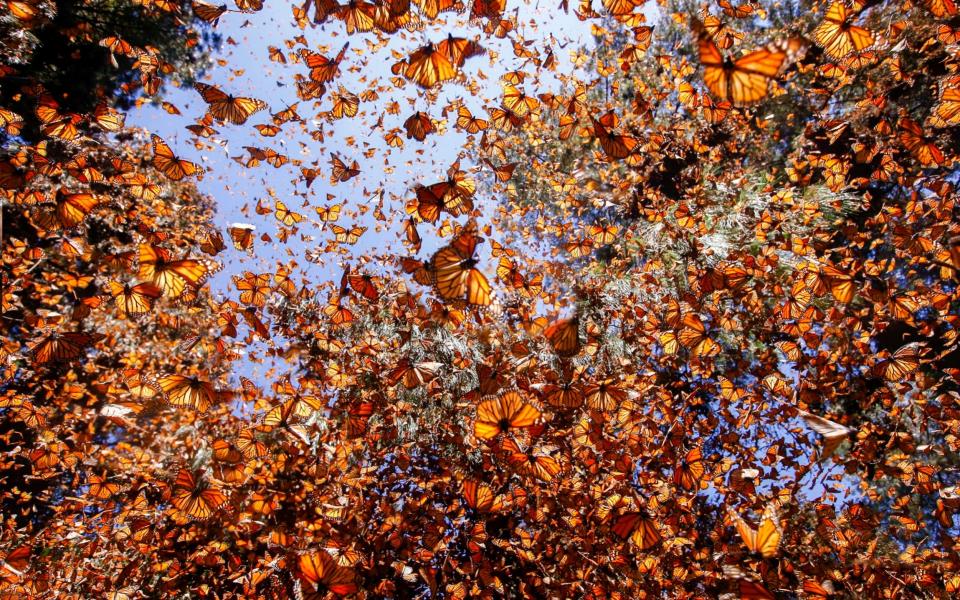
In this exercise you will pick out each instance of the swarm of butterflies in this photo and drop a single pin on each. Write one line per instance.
(678, 319)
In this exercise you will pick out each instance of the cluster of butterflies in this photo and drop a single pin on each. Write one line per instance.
(732, 371)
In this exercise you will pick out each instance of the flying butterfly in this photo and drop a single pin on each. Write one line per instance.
(322, 68)
(764, 540)
(837, 34)
(174, 167)
(73, 208)
(639, 528)
(508, 411)
(616, 146)
(195, 498)
(133, 300)
(418, 126)
(170, 275)
(455, 273)
(225, 107)
(62, 347)
(564, 336)
(322, 573)
(340, 172)
(742, 81)
(190, 391)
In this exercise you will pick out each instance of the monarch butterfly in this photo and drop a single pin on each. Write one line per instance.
(340, 171)
(338, 313)
(605, 395)
(480, 496)
(414, 374)
(171, 276)
(117, 45)
(141, 387)
(622, 7)
(323, 69)
(833, 433)
(740, 11)
(504, 119)
(689, 470)
(743, 81)
(817, 590)
(282, 415)
(640, 528)
(838, 36)
(719, 31)
(455, 272)
(430, 201)
(363, 284)
(715, 112)
(458, 50)
(841, 284)
(357, 15)
(564, 336)
(321, 571)
(55, 123)
(208, 12)
(615, 146)
(224, 452)
(532, 460)
(99, 487)
(225, 107)
(181, 390)
(490, 9)
(431, 8)
(329, 214)
(579, 247)
(249, 5)
(72, 209)
(603, 234)
(418, 126)
(765, 540)
(10, 121)
(751, 590)
(253, 288)
(423, 272)
(107, 118)
(904, 361)
(922, 148)
(344, 104)
(502, 172)
(348, 236)
(24, 11)
(509, 410)
(249, 445)
(285, 215)
(428, 66)
(469, 123)
(694, 337)
(518, 102)
(60, 347)
(270, 155)
(242, 235)
(134, 300)
(169, 163)
(565, 395)
(947, 111)
(195, 498)
(14, 563)
(212, 243)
